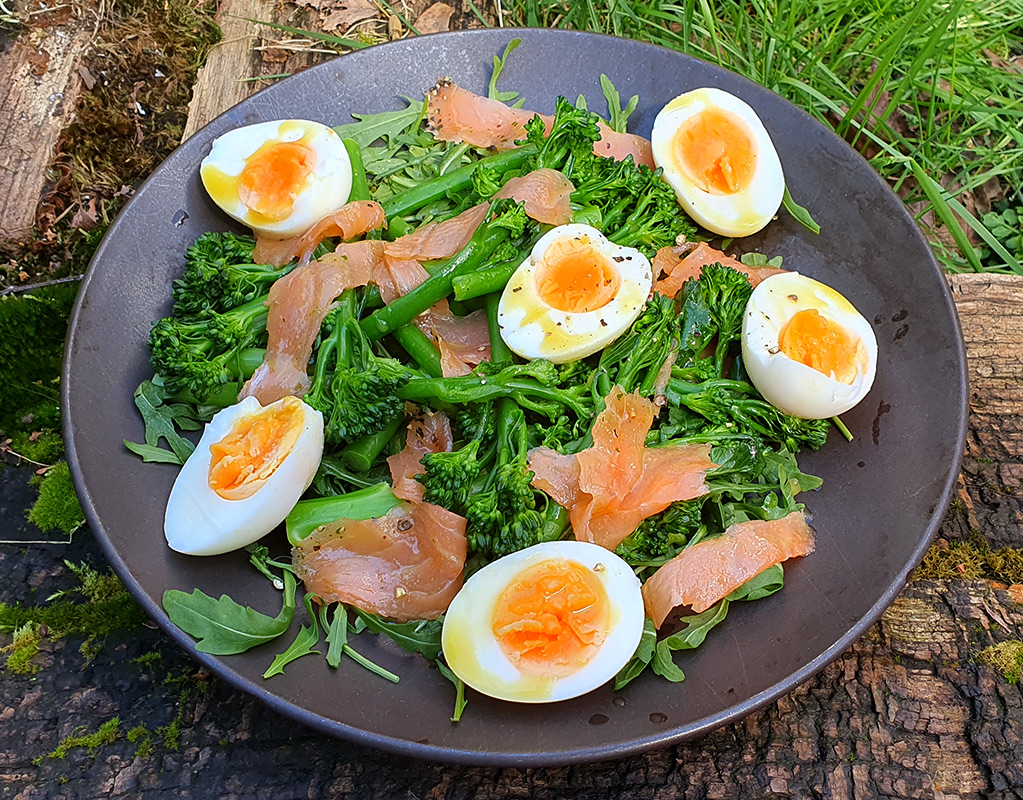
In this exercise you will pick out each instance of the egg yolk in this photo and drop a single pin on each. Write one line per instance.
(273, 176)
(254, 448)
(817, 342)
(575, 276)
(552, 618)
(716, 151)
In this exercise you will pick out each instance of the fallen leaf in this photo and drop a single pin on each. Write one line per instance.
(346, 13)
(394, 27)
(435, 19)
(1016, 592)
(85, 217)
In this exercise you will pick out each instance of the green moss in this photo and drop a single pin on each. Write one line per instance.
(32, 329)
(57, 508)
(105, 734)
(99, 606)
(142, 739)
(971, 559)
(148, 660)
(1006, 657)
(23, 648)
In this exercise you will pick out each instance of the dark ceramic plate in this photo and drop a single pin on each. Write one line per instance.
(884, 494)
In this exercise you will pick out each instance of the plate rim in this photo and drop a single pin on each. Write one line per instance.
(438, 753)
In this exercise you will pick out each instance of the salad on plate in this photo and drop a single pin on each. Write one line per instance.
(512, 407)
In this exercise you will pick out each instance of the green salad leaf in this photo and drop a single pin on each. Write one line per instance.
(224, 627)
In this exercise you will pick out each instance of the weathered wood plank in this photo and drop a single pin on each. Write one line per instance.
(39, 86)
(991, 312)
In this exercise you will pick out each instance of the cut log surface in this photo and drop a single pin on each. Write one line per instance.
(39, 85)
(907, 712)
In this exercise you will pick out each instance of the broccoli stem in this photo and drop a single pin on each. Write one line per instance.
(498, 349)
(438, 286)
(360, 185)
(455, 181)
(418, 345)
(484, 281)
(360, 454)
(308, 515)
(476, 388)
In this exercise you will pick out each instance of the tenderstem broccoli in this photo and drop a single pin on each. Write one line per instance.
(712, 310)
(202, 353)
(220, 275)
(352, 386)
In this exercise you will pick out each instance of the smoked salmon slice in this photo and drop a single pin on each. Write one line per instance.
(701, 575)
(544, 193)
(297, 304)
(455, 114)
(348, 222)
(405, 565)
(615, 484)
(682, 262)
(428, 433)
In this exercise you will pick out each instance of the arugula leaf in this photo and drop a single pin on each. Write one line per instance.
(801, 215)
(308, 637)
(641, 658)
(499, 63)
(223, 627)
(337, 633)
(460, 701)
(617, 118)
(759, 586)
(160, 420)
(152, 455)
(420, 636)
(372, 127)
(760, 260)
(662, 664)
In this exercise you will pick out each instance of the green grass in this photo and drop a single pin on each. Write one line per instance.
(913, 85)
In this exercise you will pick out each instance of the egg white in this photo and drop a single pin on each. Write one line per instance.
(325, 190)
(534, 329)
(739, 214)
(475, 656)
(789, 385)
(200, 522)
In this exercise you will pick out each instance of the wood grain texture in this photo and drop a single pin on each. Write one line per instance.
(39, 86)
(991, 312)
(247, 52)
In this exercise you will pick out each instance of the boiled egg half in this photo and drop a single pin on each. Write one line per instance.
(806, 348)
(547, 623)
(718, 157)
(250, 467)
(279, 177)
(576, 293)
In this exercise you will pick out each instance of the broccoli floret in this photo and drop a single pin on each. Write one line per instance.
(659, 538)
(734, 404)
(713, 306)
(570, 141)
(449, 476)
(501, 514)
(200, 354)
(219, 275)
(635, 206)
(635, 360)
(486, 181)
(352, 386)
